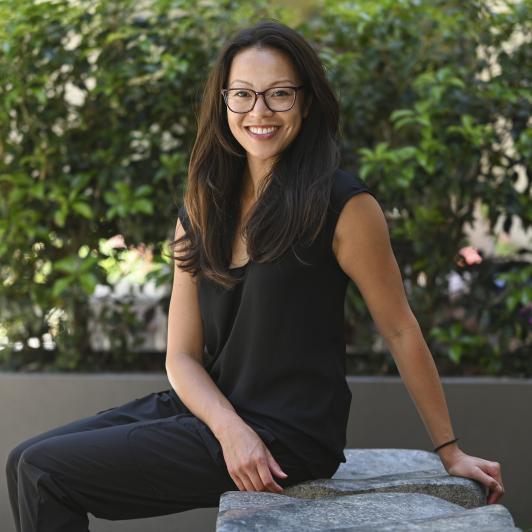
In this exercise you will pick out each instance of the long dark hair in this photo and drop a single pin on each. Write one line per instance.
(292, 203)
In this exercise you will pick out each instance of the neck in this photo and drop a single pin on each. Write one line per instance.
(254, 174)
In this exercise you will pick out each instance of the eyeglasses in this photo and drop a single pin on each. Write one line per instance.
(277, 99)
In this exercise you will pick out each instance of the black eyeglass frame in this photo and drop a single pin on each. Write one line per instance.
(257, 94)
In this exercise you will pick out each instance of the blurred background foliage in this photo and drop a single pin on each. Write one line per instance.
(98, 106)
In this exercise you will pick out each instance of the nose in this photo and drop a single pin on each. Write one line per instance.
(260, 107)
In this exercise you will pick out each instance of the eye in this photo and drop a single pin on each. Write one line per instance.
(280, 92)
(242, 94)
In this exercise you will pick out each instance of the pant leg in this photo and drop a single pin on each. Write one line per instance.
(152, 406)
(119, 468)
(137, 470)
(141, 469)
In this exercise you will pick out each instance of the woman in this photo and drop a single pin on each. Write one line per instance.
(269, 233)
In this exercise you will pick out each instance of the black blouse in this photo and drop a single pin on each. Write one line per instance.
(275, 344)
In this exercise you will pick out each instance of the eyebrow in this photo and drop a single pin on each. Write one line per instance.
(273, 83)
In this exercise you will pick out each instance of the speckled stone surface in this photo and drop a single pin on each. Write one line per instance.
(248, 511)
(458, 490)
(393, 470)
(362, 463)
(375, 490)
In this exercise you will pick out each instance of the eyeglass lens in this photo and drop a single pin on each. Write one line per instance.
(277, 99)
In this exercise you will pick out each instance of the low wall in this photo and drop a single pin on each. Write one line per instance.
(491, 416)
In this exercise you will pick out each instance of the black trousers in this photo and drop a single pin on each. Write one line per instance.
(148, 457)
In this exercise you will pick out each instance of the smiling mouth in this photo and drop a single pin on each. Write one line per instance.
(262, 132)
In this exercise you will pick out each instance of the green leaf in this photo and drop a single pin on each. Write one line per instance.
(88, 263)
(143, 190)
(61, 285)
(88, 282)
(526, 296)
(143, 205)
(67, 264)
(83, 209)
(60, 217)
(512, 301)
(455, 352)
(401, 113)
(110, 197)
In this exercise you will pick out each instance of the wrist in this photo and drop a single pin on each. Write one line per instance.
(224, 423)
(449, 453)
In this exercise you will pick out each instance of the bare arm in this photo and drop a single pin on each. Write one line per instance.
(184, 355)
(364, 252)
(198, 392)
(249, 461)
(362, 247)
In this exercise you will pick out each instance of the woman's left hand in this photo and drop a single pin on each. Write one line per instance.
(487, 473)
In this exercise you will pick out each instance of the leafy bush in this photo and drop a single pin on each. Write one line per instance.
(97, 119)
(436, 118)
(111, 160)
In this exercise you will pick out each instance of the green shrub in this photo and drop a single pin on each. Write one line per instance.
(429, 122)
(426, 119)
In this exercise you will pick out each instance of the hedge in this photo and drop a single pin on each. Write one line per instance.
(98, 106)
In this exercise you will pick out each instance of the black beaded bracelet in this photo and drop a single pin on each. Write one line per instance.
(444, 444)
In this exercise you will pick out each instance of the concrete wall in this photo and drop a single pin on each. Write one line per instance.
(490, 416)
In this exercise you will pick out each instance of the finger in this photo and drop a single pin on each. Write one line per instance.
(248, 485)
(495, 495)
(495, 489)
(238, 483)
(239, 480)
(494, 469)
(274, 466)
(267, 479)
(245, 475)
(255, 478)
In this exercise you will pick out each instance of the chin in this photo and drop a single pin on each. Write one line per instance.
(262, 154)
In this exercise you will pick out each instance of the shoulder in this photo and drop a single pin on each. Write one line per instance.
(360, 226)
(346, 185)
(356, 216)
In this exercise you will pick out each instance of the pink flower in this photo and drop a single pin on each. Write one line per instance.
(470, 255)
(116, 242)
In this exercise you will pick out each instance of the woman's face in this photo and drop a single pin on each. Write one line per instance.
(261, 69)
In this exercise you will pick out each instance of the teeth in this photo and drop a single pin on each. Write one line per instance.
(261, 130)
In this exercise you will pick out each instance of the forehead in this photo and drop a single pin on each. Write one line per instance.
(260, 67)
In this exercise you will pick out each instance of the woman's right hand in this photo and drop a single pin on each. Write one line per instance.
(248, 460)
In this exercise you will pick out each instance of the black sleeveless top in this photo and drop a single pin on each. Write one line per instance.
(275, 344)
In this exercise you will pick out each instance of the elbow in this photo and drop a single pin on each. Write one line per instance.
(169, 362)
(396, 333)
(172, 358)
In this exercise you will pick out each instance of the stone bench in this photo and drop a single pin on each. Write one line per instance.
(377, 490)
